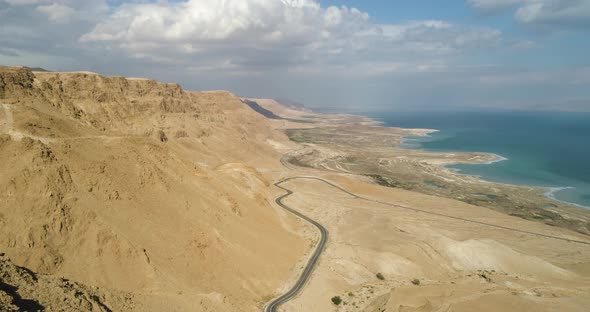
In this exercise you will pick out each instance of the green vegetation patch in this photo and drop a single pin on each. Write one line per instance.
(488, 196)
(435, 184)
(300, 120)
(297, 135)
(390, 182)
(336, 300)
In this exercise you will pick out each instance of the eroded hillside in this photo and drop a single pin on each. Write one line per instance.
(142, 188)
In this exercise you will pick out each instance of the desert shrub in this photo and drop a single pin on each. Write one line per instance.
(336, 300)
(416, 281)
(380, 276)
(162, 136)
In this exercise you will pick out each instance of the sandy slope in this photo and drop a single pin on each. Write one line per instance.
(89, 191)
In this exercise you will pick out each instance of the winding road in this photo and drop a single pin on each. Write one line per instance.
(273, 305)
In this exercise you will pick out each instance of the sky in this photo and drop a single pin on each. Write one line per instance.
(348, 55)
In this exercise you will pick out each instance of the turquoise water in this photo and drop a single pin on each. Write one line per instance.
(542, 149)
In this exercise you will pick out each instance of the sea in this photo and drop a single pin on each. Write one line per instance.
(547, 149)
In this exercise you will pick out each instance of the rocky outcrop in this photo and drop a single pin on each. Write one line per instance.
(15, 81)
(24, 290)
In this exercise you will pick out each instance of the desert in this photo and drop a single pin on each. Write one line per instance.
(134, 195)
(294, 156)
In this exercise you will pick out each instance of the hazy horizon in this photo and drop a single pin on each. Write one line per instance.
(346, 55)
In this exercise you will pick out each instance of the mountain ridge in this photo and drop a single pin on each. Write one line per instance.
(101, 173)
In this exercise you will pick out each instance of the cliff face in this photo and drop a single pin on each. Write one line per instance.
(140, 187)
(112, 103)
(23, 290)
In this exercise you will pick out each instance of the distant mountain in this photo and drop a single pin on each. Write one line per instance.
(293, 105)
(37, 69)
(261, 110)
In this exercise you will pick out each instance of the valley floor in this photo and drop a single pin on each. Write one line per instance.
(433, 251)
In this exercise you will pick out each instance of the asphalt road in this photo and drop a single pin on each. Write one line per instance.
(304, 277)
(275, 303)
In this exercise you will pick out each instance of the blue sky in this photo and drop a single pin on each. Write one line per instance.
(555, 47)
(399, 10)
(346, 54)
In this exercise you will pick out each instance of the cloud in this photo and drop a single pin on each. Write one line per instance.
(57, 12)
(564, 13)
(45, 32)
(298, 49)
(61, 11)
(22, 2)
(261, 34)
(547, 14)
(294, 22)
(506, 77)
(8, 52)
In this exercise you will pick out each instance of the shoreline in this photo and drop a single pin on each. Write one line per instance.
(356, 145)
(550, 192)
(500, 158)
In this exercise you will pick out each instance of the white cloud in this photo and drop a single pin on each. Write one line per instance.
(567, 13)
(59, 13)
(544, 13)
(22, 2)
(220, 20)
(262, 34)
(280, 48)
